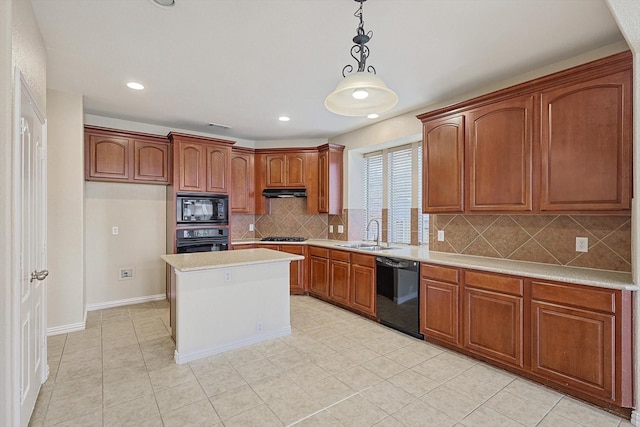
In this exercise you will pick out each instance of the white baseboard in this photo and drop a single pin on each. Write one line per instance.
(188, 357)
(128, 301)
(66, 329)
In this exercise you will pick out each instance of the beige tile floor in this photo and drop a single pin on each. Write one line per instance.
(336, 369)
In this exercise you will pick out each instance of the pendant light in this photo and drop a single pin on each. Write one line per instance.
(360, 93)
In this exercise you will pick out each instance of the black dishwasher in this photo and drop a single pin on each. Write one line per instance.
(398, 294)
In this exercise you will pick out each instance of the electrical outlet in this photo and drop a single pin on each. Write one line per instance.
(341, 229)
(582, 244)
(440, 235)
(126, 273)
(251, 228)
(227, 275)
(331, 229)
(114, 231)
(259, 327)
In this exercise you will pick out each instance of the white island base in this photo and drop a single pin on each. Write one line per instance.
(222, 301)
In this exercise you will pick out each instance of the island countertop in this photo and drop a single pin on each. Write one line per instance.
(223, 259)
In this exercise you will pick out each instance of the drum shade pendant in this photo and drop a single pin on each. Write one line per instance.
(361, 93)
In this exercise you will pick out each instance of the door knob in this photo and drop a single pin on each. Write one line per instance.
(39, 275)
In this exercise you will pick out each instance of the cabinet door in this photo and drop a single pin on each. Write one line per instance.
(323, 182)
(363, 284)
(339, 281)
(295, 170)
(500, 156)
(574, 347)
(439, 310)
(296, 284)
(108, 158)
(493, 316)
(586, 145)
(242, 193)
(151, 162)
(275, 164)
(319, 276)
(192, 167)
(443, 165)
(217, 169)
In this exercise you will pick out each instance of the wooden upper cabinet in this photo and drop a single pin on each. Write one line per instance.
(330, 179)
(108, 157)
(192, 167)
(121, 156)
(559, 143)
(202, 165)
(218, 169)
(242, 185)
(499, 151)
(586, 145)
(443, 165)
(285, 170)
(151, 161)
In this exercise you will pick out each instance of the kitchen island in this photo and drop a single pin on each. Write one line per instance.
(225, 300)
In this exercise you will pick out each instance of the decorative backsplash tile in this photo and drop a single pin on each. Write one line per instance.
(549, 239)
(286, 217)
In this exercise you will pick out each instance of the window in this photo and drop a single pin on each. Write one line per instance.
(399, 193)
(373, 191)
(393, 180)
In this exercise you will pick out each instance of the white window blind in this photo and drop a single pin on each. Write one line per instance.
(372, 191)
(423, 219)
(399, 193)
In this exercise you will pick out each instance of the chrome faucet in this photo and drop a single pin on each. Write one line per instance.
(378, 230)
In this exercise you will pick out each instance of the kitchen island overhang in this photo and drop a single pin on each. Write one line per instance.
(222, 301)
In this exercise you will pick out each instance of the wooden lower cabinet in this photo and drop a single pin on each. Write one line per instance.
(493, 316)
(296, 268)
(362, 295)
(339, 276)
(576, 338)
(580, 339)
(439, 305)
(319, 271)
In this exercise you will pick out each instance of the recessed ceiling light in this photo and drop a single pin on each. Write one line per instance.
(135, 86)
(372, 116)
(284, 118)
(163, 3)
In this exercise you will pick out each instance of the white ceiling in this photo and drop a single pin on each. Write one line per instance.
(243, 63)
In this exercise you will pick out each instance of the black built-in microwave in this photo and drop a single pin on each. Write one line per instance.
(202, 209)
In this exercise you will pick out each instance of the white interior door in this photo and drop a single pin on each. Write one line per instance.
(30, 217)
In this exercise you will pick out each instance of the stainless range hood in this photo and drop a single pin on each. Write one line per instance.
(284, 192)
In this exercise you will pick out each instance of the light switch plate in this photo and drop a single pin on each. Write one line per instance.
(341, 229)
(251, 228)
(331, 229)
(440, 235)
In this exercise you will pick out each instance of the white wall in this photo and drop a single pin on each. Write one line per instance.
(65, 175)
(21, 45)
(138, 210)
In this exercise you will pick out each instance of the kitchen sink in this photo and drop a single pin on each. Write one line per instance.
(366, 246)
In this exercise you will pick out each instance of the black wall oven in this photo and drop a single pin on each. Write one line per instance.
(189, 240)
(194, 209)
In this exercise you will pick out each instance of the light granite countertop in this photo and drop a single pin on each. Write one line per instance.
(224, 259)
(583, 276)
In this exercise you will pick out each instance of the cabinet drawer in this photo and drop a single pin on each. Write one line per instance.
(365, 260)
(494, 282)
(318, 252)
(583, 296)
(444, 274)
(340, 255)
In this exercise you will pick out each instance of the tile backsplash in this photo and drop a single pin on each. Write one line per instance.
(549, 239)
(286, 217)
